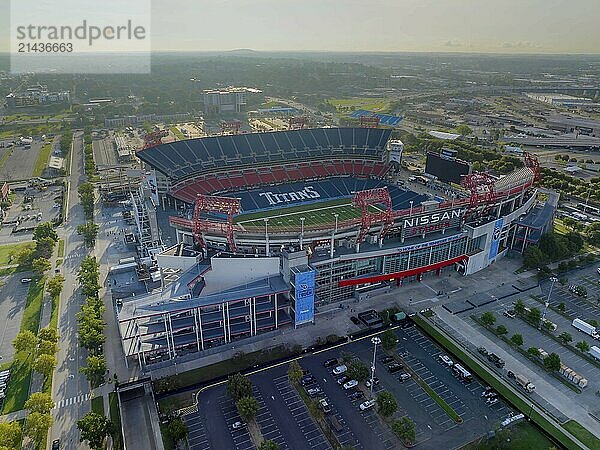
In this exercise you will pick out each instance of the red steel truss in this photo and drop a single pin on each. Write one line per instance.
(297, 122)
(214, 204)
(366, 199)
(481, 186)
(369, 122)
(154, 138)
(532, 162)
(231, 127)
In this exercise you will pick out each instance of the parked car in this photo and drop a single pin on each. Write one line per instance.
(350, 384)
(314, 391)
(56, 444)
(355, 395)
(342, 380)
(446, 360)
(354, 320)
(237, 425)
(338, 370)
(330, 362)
(375, 382)
(482, 350)
(511, 374)
(509, 313)
(25, 280)
(307, 380)
(366, 405)
(387, 359)
(325, 406)
(491, 401)
(393, 368)
(404, 377)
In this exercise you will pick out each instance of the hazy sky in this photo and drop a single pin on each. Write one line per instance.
(504, 26)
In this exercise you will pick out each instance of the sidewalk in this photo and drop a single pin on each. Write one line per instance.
(550, 393)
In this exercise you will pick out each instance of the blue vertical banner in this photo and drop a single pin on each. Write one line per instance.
(305, 297)
(496, 238)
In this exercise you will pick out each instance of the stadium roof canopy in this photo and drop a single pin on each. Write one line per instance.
(184, 159)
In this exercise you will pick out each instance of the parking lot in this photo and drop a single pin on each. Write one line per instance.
(532, 337)
(14, 296)
(576, 306)
(284, 418)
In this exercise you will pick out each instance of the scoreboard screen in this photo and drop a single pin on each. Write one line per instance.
(446, 170)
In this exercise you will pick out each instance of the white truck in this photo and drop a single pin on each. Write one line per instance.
(524, 382)
(595, 352)
(586, 328)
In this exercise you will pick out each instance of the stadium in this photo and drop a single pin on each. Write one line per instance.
(300, 218)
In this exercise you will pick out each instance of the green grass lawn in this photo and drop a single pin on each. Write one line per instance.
(6, 156)
(18, 388)
(314, 214)
(521, 436)
(8, 250)
(583, 434)
(61, 248)
(115, 417)
(178, 134)
(98, 405)
(42, 160)
(347, 105)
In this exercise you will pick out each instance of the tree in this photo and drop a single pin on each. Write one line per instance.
(86, 197)
(47, 347)
(89, 231)
(24, 257)
(534, 316)
(37, 426)
(533, 351)
(25, 341)
(247, 408)
(45, 364)
(565, 337)
(405, 429)
(268, 445)
(294, 372)
(517, 339)
(561, 306)
(177, 430)
(10, 435)
(45, 230)
(552, 362)
(389, 340)
(386, 404)
(238, 386)
(533, 257)
(583, 346)
(95, 369)
(501, 330)
(519, 307)
(55, 285)
(463, 129)
(40, 265)
(48, 334)
(357, 370)
(94, 428)
(44, 248)
(488, 318)
(40, 402)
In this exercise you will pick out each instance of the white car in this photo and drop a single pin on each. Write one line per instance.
(25, 280)
(446, 360)
(350, 384)
(366, 405)
(237, 425)
(340, 369)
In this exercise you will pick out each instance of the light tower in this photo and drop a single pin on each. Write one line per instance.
(376, 341)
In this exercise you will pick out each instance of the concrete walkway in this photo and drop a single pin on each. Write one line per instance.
(553, 395)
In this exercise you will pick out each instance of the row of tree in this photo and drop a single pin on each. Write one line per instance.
(552, 247)
(89, 229)
(90, 320)
(88, 155)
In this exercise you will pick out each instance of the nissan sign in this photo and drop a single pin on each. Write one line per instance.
(429, 223)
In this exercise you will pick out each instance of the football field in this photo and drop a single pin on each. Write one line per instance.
(290, 218)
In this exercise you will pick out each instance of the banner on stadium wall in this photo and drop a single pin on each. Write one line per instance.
(305, 297)
(496, 238)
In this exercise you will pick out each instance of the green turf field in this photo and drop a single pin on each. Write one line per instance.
(314, 214)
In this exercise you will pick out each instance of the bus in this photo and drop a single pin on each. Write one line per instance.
(461, 373)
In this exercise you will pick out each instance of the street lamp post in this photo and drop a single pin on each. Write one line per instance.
(376, 341)
(411, 207)
(547, 303)
(302, 219)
